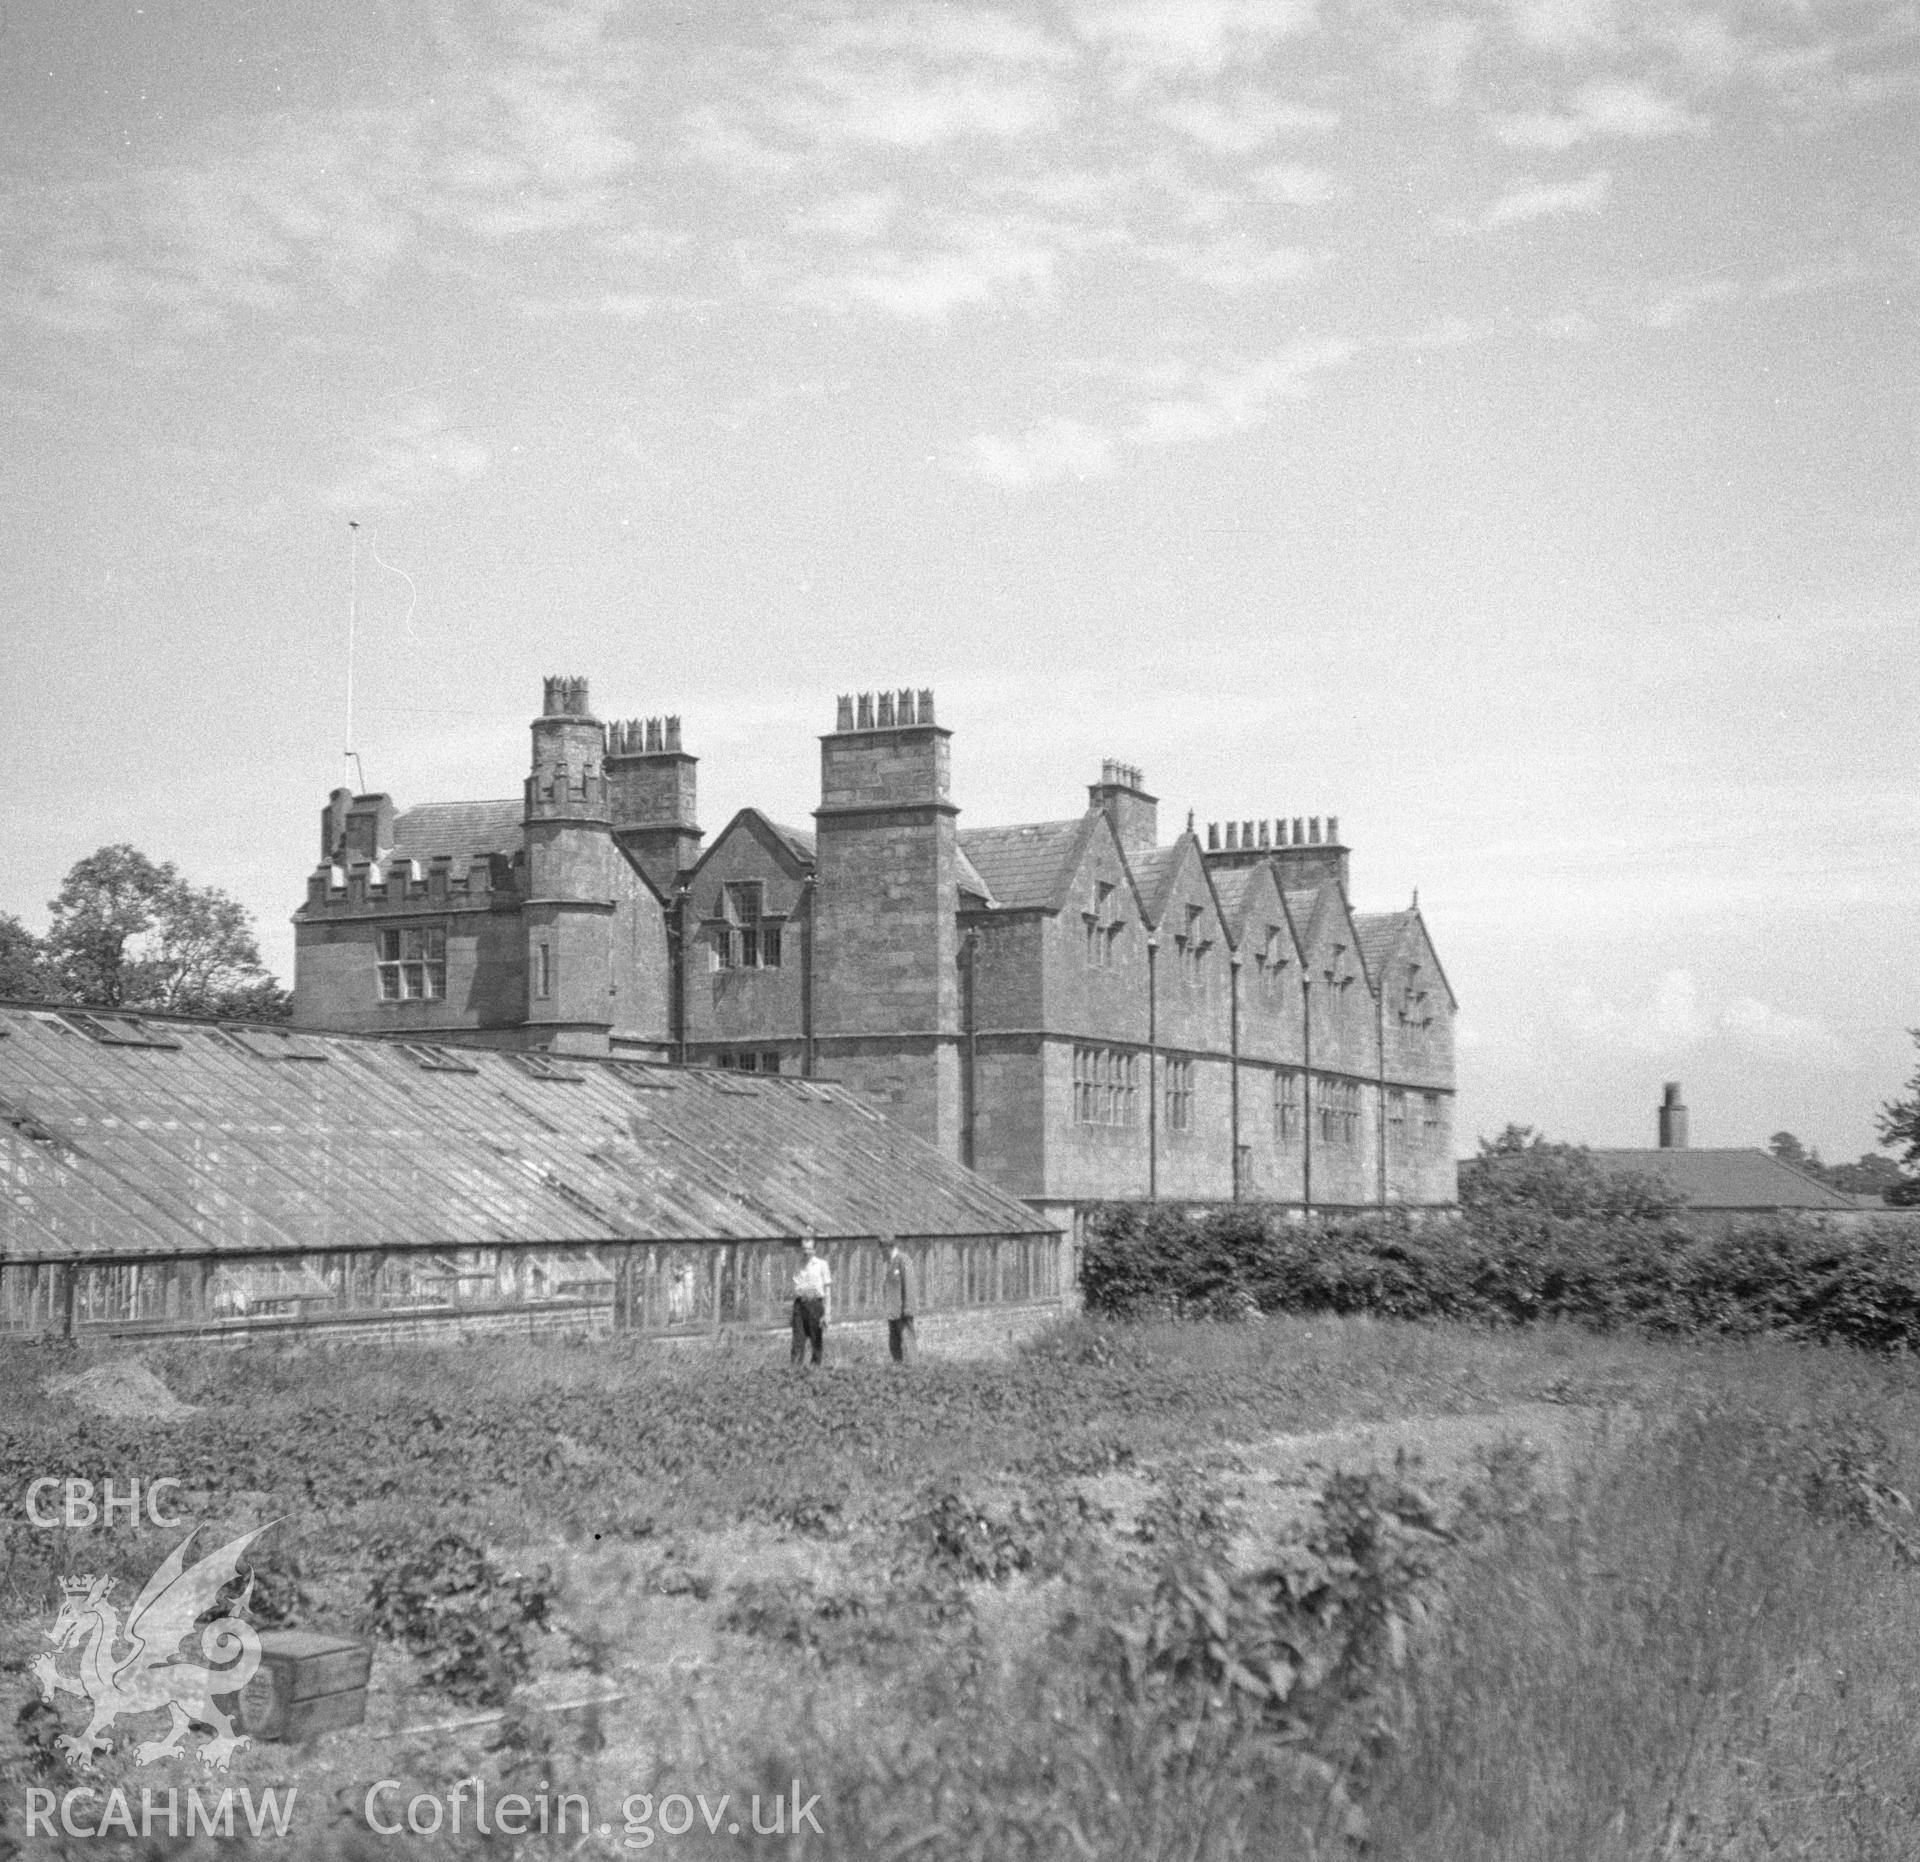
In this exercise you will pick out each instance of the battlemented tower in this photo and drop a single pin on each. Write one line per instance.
(570, 880)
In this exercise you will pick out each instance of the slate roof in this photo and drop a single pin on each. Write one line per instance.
(1230, 888)
(1022, 866)
(168, 1138)
(1152, 870)
(970, 879)
(466, 830)
(1729, 1179)
(800, 842)
(1377, 932)
(1300, 908)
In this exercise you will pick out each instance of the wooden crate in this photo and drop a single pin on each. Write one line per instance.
(307, 1683)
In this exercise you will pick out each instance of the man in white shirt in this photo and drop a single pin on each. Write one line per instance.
(812, 1289)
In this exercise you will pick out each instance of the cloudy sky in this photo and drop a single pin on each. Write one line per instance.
(1493, 424)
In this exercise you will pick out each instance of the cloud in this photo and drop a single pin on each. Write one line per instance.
(1055, 449)
(617, 306)
(1234, 264)
(1436, 52)
(1675, 1018)
(251, 214)
(1193, 404)
(1756, 1028)
(859, 216)
(187, 246)
(1452, 333)
(986, 260)
(411, 454)
(1705, 43)
(961, 35)
(1243, 122)
(1683, 303)
(1536, 200)
(1563, 26)
(901, 108)
(1606, 107)
(1293, 184)
(1176, 37)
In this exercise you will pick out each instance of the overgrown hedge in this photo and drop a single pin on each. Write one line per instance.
(1508, 1266)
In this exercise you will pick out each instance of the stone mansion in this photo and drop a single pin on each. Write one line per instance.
(1076, 1008)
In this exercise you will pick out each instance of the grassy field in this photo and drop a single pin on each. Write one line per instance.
(1042, 1607)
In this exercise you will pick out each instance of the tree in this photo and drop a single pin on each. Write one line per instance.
(1900, 1130)
(129, 934)
(23, 962)
(1795, 1155)
(1873, 1175)
(107, 901)
(1521, 1170)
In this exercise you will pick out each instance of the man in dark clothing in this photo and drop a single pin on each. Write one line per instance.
(896, 1289)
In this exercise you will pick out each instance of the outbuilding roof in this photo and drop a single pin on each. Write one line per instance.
(1728, 1179)
(126, 1137)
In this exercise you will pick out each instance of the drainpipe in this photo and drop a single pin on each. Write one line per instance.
(970, 945)
(1233, 1040)
(1306, 1096)
(807, 1055)
(1153, 1069)
(677, 974)
(1380, 1052)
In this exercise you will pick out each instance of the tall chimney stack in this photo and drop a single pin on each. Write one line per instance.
(1673, 1119)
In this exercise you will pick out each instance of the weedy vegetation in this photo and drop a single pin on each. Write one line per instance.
(1027, 1609)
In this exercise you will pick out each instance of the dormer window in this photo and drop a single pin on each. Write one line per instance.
(1103, 925)
(1191, 948)
(1271, 959)
(1414, 1011)
(743, 937)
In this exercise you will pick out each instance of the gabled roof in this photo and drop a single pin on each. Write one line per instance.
(800, 842)
(1381, 935)
(1234, 887)
(1027, 866)
(1309, 912)
(1302, 907)
(466, 830)
(1153, 869)
(149, 1137)
(969, 878)
(792, 848)
(1157, 870)
(1728, 1179)
(1378, 933)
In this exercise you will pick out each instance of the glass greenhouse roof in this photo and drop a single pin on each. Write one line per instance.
(127, 1137)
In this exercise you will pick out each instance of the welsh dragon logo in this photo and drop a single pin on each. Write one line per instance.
(135, 1667)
